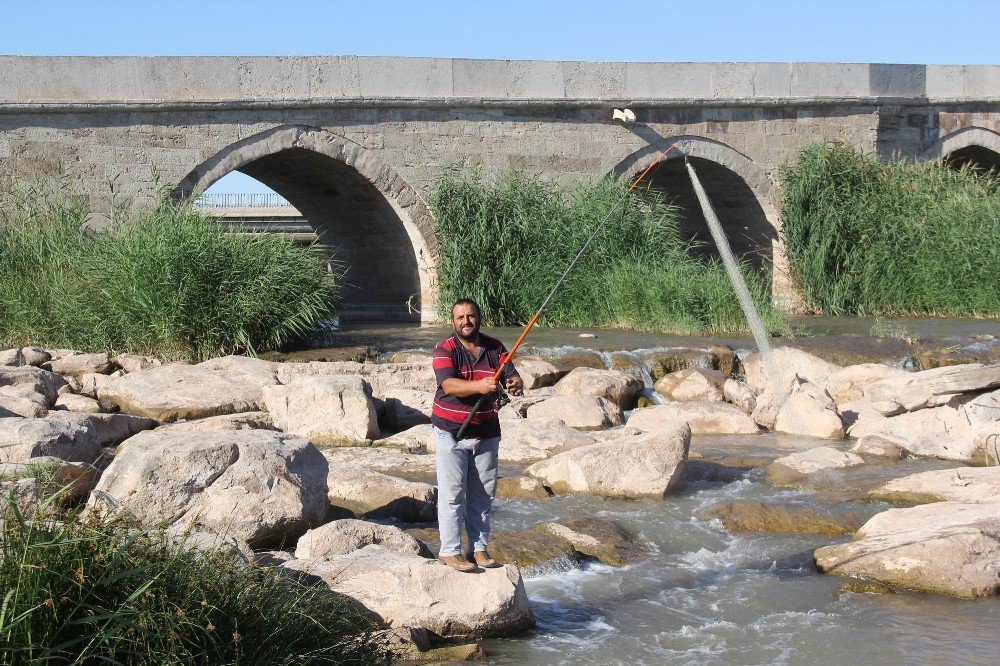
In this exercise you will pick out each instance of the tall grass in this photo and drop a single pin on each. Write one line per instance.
(871, 238)
(168, 281)
(82, 591)
(505, 243)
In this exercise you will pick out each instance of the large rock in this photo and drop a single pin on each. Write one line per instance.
(704, 418)
(810, 467)
(933, 388)
(974, 485)
(620, 388)
(810, 411)
(528, 440)
(418, 439)
(91, 383)
(178, 391)
(404, 408)
(412, 591)
(579, 411)
(852, 382)
(374, 495)
(937, 432)
(325, 410)
(75, 365)
(788, 360)
(11, 357)
(108, 428)
(136, 363)
(69, 439)
(35, 356)
(72, 480)
(982, 411)
(34, 380)
(649, 465)
(789, 517)
(692, 385)
(77, 403)
(341, 537)
(536, 372)
(18, 401)
(253, 485)
(946, 547)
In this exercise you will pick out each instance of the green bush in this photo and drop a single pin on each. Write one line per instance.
(169, 281)
(870, 238)
(84, 591)
(506, 243)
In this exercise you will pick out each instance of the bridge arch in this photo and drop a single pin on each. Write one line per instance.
(742, 193)
(976, 146)
(375, 223)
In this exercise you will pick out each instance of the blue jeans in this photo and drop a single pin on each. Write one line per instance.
(467, 484)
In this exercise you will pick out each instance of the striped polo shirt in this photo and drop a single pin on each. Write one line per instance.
(453, 361)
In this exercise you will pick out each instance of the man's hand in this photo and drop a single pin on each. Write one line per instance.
(515, 386)
(487, 386)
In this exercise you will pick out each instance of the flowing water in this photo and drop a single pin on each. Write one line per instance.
(705, 595)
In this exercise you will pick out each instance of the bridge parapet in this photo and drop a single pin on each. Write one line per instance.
(75, 81)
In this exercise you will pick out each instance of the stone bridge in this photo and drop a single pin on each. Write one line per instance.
(356, 143)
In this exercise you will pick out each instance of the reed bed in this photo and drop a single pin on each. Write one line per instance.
(169, 281)
(505, 242)
(872, 238)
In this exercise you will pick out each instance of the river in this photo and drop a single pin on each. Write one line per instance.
(704, 595)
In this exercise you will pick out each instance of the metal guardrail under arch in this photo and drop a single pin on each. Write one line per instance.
(242, 200)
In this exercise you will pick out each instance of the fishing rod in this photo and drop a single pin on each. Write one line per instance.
(505, 359)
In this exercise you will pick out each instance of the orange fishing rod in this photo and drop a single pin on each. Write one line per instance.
(505, 359)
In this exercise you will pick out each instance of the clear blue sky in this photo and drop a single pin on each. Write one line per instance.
(914, 31)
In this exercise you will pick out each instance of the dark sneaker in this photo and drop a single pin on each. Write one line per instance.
(483, 559)
(458, 562)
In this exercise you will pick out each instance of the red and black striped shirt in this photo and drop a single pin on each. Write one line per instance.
(453, 361)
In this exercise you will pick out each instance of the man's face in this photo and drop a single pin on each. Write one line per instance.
(465, 321)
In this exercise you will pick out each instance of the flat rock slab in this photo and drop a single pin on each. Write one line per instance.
(372, 494)
(32, 379)
(788, 360)
(974, 485)
(949, 548)
(412, 591)
(178, 391)
(815, 466)
(705, 418)
(936, 432)
(932, 388)
(73, 439)
(255, 486)
(647, 465)
(790, 517)
(529, 440)
(418, 439)
(109, 429)
(852, 383)
(75, 365)
(536, 372)
(405, 408)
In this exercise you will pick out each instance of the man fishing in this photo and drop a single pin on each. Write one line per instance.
(467, 434)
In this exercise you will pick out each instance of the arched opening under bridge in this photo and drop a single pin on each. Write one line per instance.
(375, 225)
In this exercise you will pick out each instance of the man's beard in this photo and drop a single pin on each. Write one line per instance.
(471, 337)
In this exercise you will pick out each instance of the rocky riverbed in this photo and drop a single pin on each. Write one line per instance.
(655, 507)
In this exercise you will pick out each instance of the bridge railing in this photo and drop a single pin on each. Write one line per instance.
(242, 200)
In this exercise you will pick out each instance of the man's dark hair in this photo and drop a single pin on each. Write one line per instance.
(466, 301)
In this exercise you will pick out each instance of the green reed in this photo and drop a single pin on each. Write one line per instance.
(504, 243)
(168, 281)
(869, 238)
